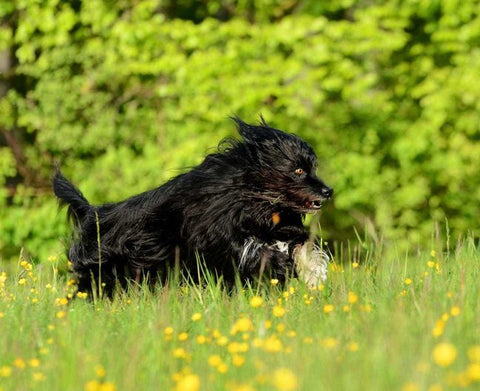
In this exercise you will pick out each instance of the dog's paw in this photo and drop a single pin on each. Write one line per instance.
(311, 263)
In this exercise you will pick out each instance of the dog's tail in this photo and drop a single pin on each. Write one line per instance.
(68, 194)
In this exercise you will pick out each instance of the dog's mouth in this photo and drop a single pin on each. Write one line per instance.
(314, 205)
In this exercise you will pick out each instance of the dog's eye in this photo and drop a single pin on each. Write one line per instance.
(299, 171)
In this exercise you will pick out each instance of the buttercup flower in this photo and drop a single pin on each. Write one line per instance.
(278, 311)
(328, 308)
(196, 316)
(444, 354)
(284, 380)
(256, 301)
(352, 298)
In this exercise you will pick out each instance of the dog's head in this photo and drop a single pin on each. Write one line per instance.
(283, 168)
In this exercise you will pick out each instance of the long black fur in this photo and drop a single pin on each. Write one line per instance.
(230, 210)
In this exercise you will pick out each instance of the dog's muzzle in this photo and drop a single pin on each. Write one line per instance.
(315, 204)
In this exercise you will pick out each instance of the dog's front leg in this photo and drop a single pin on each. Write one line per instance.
(257, 259)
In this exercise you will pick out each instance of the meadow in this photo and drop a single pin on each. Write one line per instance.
(383, 321)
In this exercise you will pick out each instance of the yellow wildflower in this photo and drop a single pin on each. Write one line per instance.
(237, 347)
(5, 371)
(196, 316)
(222, 341)
(328, 308)
(455, 311)
(214, 360)
(201, 339)
(26, 265)
(107, 386)
(241, 325)
(408, 281)
(61, 301)
(52, 258)
(72, 281)
(366, 308)
(278, 311)
(352, 298)
(61, 314)
(256, 301)
(238, 360)
(92, 385)
(272, 345)
(34, 362)
(280, 328)
(473, 372)
(222, 368)
(284, 380)
(274, 281)
(444, 354)
(410, 386)
(330, 342)
(19, 363)
(439, 328)
(335, 268)
(182, 336)
(100, 371)
(180, 353)
(353, 346)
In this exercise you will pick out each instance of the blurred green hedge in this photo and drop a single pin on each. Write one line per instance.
(127, 94)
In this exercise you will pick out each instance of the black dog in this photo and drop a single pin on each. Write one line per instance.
(240, 211)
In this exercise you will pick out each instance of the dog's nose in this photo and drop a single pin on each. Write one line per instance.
(327, 192)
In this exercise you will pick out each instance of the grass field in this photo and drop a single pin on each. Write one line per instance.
(381, 322)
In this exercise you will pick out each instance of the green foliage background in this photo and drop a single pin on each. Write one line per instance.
(127, 94)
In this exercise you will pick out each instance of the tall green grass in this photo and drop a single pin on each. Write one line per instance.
(383, 321)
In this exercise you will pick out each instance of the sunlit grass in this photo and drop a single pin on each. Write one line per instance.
(400, 322)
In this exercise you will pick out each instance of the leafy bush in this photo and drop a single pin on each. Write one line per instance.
(128, 94)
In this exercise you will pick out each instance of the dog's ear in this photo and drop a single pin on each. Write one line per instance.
(256, 133)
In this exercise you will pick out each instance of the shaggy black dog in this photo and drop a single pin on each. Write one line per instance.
(240, 211)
